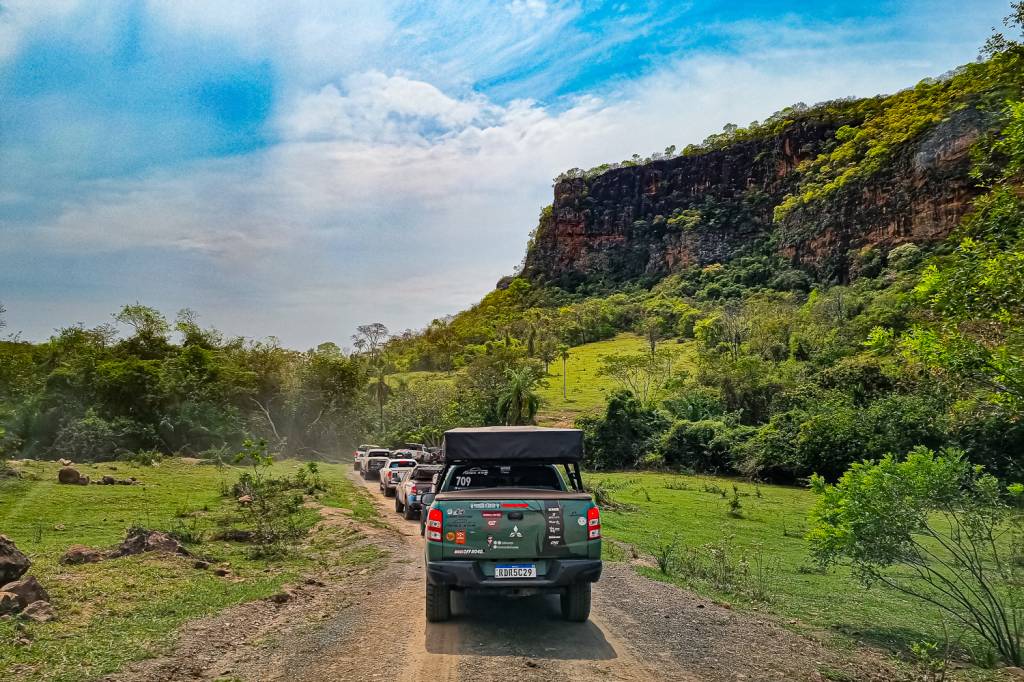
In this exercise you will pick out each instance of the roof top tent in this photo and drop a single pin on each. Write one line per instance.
(525, 444)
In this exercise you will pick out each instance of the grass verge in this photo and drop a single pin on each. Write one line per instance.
(122, 610)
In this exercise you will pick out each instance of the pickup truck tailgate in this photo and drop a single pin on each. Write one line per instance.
(499, 523)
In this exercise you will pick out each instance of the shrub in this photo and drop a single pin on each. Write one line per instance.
(704, 446)
(720, 566)
(627, 431)
(933, 527)
(274, 505)
(666, 554)
(904, 257)
(92, 438)
(142, 457)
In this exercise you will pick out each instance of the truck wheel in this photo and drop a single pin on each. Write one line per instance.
(439, 603)
(388, 492)
(408, 513)
(576, 602)
(399, 507)
(423, 523)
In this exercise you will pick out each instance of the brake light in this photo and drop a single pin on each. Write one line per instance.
(434, 524)
(593, 524)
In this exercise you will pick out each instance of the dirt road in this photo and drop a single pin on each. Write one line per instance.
(370, 625)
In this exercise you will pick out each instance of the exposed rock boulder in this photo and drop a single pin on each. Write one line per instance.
(64, 462)
(27, 591)
(80, 554)
(9, 603)
(13, 563)
(40, 612)
(140, 540)
(69, 476)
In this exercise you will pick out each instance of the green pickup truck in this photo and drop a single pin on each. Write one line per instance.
(510, 516)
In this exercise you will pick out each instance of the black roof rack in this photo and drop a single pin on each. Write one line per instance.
(518, 443)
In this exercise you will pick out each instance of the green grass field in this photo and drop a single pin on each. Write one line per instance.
(120, 610)
(771, 525)
(586, 390)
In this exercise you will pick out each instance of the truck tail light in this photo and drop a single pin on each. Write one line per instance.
(593, 524)
(434, 523)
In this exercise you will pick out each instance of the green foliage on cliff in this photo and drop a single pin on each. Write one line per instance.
(888, 123)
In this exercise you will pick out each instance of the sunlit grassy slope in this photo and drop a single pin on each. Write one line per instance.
(586, 390)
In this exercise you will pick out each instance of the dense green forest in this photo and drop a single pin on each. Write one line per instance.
(794, 375)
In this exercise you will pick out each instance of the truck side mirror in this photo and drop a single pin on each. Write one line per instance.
(427, 500)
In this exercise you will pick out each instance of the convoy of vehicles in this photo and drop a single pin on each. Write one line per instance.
(392, 471)
(504, 513)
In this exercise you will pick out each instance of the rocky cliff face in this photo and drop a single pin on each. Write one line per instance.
(644, 222)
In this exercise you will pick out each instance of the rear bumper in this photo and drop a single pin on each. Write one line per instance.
(467, 575)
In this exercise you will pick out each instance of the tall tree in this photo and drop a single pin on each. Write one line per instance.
(518, 403)
(563, 352)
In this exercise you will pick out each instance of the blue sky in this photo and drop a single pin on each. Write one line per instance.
(298, 168)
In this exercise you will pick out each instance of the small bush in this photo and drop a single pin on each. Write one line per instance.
(142, 457)
(603, 492)
(751, 575)
(666, 555)
(272, 506)
(735, 506)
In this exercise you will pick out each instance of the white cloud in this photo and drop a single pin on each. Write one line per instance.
(533, 8)
(380, 108)
(20, 18)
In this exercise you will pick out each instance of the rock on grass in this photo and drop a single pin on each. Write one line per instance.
(13, 562)
(27, 591)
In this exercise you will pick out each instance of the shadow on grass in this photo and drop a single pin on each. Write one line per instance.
(894, 639)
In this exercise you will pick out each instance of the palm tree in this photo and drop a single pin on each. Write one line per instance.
(563, 352)
(518, 404)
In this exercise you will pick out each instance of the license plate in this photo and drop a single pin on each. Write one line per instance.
(517, 571)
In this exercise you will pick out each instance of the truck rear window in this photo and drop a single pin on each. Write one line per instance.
(513, 476)
(425, 473)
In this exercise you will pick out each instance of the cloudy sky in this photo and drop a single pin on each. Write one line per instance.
(296, 168)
